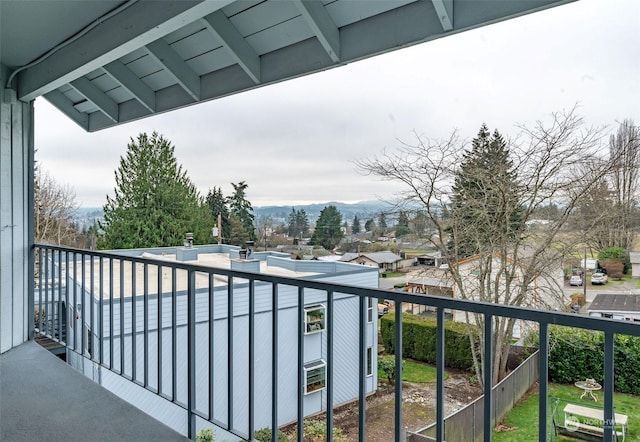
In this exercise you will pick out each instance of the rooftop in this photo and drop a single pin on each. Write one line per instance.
(616, 302)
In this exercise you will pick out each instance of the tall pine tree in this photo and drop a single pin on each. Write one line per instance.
(242, 209)
(328, 232)
(485, 210)
(218, 206)
(155, 203)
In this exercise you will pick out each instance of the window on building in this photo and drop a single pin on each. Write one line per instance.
(369, 361)
(314, 319)
(315, 376)
(369, 309)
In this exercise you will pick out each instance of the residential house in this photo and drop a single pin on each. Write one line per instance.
(544, 291)
(615, 306)
(384, 261)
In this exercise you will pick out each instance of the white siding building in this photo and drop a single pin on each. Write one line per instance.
(149, 336)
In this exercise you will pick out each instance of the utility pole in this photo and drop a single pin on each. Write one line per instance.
(219, 228)
(584, 276)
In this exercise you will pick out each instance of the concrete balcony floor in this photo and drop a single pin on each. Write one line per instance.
(43, 398)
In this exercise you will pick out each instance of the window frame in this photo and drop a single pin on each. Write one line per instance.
(312, 326)
(310, 367)
(369, 309)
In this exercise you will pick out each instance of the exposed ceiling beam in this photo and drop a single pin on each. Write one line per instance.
(128, 80)
(138, 25)
(322, 26)
(59, 100)
(444, 9)
(176, 67)
(92, 93)
(219, 25)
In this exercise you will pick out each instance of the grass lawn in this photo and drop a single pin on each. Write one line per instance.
(415, 371)
(525, 415)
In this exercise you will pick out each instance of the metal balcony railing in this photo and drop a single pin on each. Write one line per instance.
(84, 293)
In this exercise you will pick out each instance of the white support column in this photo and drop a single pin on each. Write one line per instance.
(16, 178)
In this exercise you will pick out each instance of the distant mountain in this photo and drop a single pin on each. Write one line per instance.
(85, 216)
(364, 209)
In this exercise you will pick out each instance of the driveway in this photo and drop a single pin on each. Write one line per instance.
(628, 287)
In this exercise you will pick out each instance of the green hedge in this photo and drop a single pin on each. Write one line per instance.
(419, 340)
(577, 354)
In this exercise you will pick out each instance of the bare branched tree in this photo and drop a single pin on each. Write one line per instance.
(557, 162)
(54, 205)
(625, 183)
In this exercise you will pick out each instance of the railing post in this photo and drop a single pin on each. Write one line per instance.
(230, 376)
(60, 296)
(301, 385)
(75, 301)
(122, 365)
(111, 364)
(45, 264)
(159, 341)
(274, 362)
(145, 311)
(174, 335)
(329, 328)
(83, 307)
(543, 371)
(488, 377)
(92, 326)
(608, 385)
(191, 355)
(101, 307)
(252, 312)
(134, 323)
(362, 371)
(440, 373)
(212, 362)
(398, 375)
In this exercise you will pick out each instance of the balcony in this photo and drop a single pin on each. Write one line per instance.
(234, 390)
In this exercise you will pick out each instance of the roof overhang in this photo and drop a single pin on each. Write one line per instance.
(106, 62)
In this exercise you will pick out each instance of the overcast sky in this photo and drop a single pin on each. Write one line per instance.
(295, 142)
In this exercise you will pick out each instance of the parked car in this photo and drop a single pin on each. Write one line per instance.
(599, 278)
(576, 280)
(383, 309)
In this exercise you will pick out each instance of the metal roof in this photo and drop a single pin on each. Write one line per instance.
(615, 303)
(108, 62)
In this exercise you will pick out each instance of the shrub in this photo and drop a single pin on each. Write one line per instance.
(578, 298)
(316, 431)
(577, 354)
(264, 435)
(419, 340)
(205, 435)
(388, 366)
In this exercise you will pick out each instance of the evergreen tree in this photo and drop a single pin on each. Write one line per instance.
(328, 232)
(155, 203)
(355, 226)
(298, 224)
(402, 228)
(238, 235)
(369, 225)
(382, 222)
(241, 208)
(217, 204)
(485, 211)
